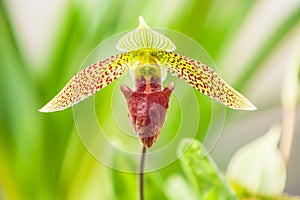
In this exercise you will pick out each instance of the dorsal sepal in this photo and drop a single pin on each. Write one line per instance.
(144, 38)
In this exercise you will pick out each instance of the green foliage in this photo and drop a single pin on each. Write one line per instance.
(205, 179)
(41, 156)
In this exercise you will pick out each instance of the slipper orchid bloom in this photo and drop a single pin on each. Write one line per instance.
(147, 53)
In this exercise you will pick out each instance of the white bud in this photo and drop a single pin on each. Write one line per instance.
(259, 166)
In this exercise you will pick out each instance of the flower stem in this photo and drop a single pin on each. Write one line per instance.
(141, 173)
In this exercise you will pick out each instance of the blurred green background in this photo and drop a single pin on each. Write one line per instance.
(255, 44)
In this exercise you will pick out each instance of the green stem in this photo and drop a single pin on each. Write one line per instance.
(141, 173)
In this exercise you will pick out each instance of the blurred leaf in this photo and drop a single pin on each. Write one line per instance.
(267, 47)
(177, 187)
(10, 38)
(202, 173)
(290, 97)
(21, 138)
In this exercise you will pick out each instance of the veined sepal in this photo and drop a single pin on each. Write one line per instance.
(144, 38)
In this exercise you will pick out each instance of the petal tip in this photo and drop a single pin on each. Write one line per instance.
(47, 109)
(142, 24)
(50, 107)
(252, 107)
(44, 109)
(249, 106)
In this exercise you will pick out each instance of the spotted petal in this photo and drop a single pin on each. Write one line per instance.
(88, 81)
(204, 79)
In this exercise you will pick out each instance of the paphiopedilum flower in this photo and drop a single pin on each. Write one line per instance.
(147, 53)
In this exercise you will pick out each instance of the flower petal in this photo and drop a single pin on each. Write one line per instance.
(204, 79)
(88, 81)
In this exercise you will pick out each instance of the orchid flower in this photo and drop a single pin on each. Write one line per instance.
(147, 53)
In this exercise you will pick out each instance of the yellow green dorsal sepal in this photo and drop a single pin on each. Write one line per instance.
(144, 38)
